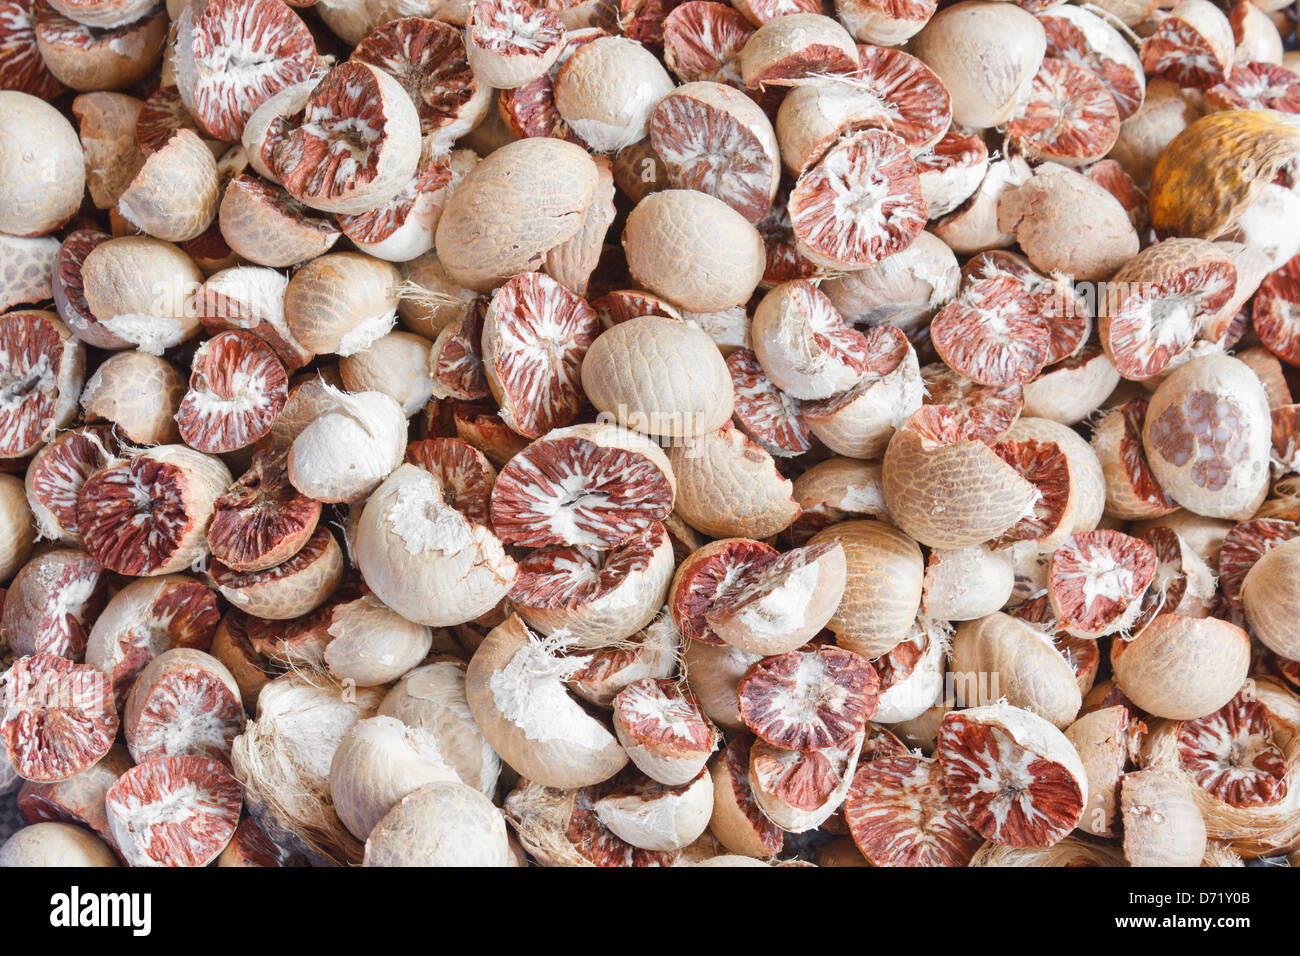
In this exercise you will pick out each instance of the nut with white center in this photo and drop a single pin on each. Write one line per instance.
(511, 42)
(357, 145)
(352, 445)
(662, 728)
(184, 702)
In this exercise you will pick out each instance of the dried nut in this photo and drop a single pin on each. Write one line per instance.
(139, 394)
(1101, 738)
(903, 290)
(358, 143)
(1207, 437)
(432, 698)
(141, 289)
(512, 208)
(107, 123)
(607, 89)
(650, 653)
(354, 444)
(966, 583)
(373, 645)
(949, 490)
(1162, 824)
(1086, 475)
(51, 604)
(396, 364)
(1214, 169)
(85, 58)
(282, 762)
(174, 196)
(1182, 667)
(425, 560)
(516, 693)
(1045, 215)
(441, 824)
(378, 762)
(883, 585)
(264, 224)
(1165, 112)
(288, 590)
(986, 54)
(42, 188)
(694, 250)
(660, 725)
(341, 303)
(149, 515)
(183, 702)
(55, 844)
(658, 376)
(651, 816)
(790, 49)
(145, 619)
(1270, 599)
(510, 43)
(1000, 657)
(727, 486)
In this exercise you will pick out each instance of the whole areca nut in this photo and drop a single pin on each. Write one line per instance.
(660, 376)
(512, 208)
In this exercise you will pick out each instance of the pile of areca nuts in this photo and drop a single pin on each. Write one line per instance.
(649, 433)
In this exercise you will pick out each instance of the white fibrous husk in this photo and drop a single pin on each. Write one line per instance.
(426, 560)
(432, 698)
(353, 445)
(283, 760)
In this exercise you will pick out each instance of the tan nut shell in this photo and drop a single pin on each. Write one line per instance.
(1086, 477)
(986, 54)
(546, 736)
(441, 824)
(951, 495)
(607, 89)
(882, 591)
(999, 656)
(55, 844)
(1101, 740)
(41, 166)
(512, 208)
(728, 487)
(1182, 667)
(659, 376)
(1236, 389)
(424, 559)
(342, 302)
(379, 761)
(1162, 824)
(139, 394)
(694, 250)
(1067, 223)
(1271, 595)
(174, 196)
(140, 289)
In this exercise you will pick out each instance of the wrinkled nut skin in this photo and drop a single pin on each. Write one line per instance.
(986, 54)
(607, 89)
(425, 560)
(659, 376)
(106, 122)
(694, 250)
(440, 824)
(512, 208)
(141, 289)
(1067, 223)
(1206, 437)
(175, 194)
(1271, 596)
(139, 393)
(1182, 667)
(1020, 662)
(564, 748)
(41, 166)
(55, 844)
(17, 526)
(1100, 737)
(728, 487)
(265, 225)
(342, 302)
(1211, 171)
(884, 572)
(951, 495)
